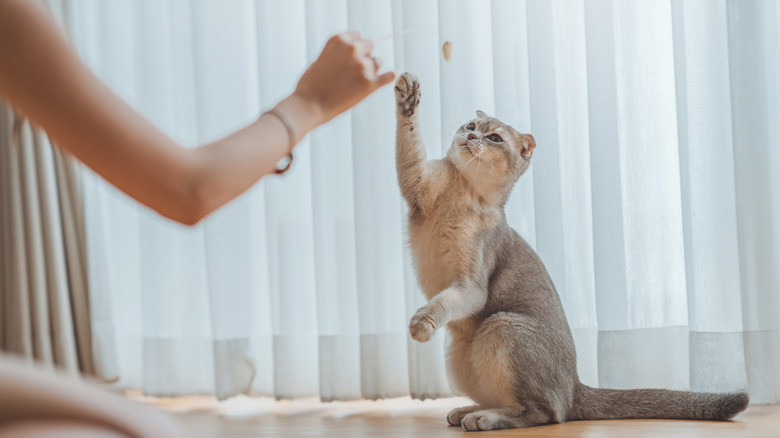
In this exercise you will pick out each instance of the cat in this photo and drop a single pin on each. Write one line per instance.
(511, 348)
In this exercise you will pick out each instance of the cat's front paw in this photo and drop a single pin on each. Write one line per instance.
(407, 94)
(455, 417)
(422, 326)
(482, 420)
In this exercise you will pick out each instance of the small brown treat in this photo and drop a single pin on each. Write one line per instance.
(446, 50)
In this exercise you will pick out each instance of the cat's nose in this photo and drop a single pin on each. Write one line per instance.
(472, 136)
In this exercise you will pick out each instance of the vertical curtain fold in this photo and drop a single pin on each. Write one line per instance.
(45, 312)
(754, 68)
(638, 238)
(45, 307)
(708, 195)
(333, 205)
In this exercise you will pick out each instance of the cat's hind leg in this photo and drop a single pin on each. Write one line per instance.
(504, 418)
(507, 380)
(492, 357)
(456, 415)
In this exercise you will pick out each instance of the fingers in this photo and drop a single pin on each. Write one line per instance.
(360, 46)
(385, 78)
(363, 47)
(360, 49)
(372, 66)
(351, 35)
(377, 62)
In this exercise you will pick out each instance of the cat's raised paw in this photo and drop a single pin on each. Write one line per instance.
(421, 326)
(407, 94)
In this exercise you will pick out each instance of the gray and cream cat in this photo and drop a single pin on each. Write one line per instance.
(511, 351)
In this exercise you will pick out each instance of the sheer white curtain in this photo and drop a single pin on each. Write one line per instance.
(652, 198)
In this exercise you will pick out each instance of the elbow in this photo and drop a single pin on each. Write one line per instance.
(200, 191)
(189, 218)
(190, 213)
(195, 206)
(193, 203)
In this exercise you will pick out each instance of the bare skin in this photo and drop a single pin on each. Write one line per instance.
(43, 78)
(36, 403)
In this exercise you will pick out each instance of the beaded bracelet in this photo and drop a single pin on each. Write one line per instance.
(290, 133)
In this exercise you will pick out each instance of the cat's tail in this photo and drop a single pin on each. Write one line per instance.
(607, 404)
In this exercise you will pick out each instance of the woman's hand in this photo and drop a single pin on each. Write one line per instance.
(344, 74)
(84, 117)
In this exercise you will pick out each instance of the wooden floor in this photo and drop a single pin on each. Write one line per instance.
(245, 417)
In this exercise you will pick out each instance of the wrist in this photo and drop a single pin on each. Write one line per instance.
(304, 113)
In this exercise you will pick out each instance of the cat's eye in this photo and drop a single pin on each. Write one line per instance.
(471, 126)
(495, 138)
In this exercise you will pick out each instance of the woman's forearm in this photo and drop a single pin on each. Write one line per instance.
(43, 77)
(231, 165)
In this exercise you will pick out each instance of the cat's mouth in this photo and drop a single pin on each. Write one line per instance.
(472, 150)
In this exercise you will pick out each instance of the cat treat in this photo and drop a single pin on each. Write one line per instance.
(446, 50)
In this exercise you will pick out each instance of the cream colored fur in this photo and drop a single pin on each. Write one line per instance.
(512, 351)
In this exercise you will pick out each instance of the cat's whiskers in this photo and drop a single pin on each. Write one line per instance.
(463, 136)
(447, 136)
(482, 149)
(467, 164)
(472, 145)
(479, 161)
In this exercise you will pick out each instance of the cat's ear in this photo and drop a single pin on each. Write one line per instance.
(481, 115)
(529, 144)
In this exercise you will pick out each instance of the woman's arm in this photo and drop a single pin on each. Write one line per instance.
(29, 393)
(43, 77)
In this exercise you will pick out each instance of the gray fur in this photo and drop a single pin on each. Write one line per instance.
(512, 351)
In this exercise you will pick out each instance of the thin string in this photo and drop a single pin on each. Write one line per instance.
(404, 32)
(446, 48)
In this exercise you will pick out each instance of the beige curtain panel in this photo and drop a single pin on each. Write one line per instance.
(44, 306)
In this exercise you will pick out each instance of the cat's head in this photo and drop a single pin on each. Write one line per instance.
(490, 154)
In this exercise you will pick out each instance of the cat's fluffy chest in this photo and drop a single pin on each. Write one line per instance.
(446, 242)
